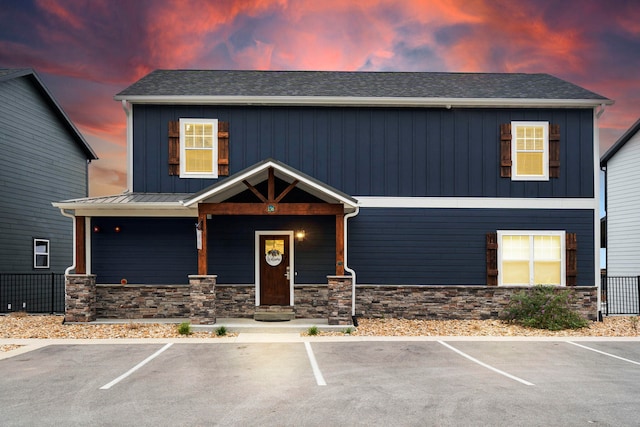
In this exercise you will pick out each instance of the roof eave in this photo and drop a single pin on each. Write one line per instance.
(363, 101)
(629, 133)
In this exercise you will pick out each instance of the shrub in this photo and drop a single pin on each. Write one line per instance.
(544, 307)
(184, 328)
(221, 331)
(313, 330)
(348, 331)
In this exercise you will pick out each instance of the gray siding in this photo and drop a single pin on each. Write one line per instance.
(623, 216)
(374, 151)
(40, 163)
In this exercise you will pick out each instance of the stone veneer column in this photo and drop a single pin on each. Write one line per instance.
(80, 298)
(203, 299)
(339, 300)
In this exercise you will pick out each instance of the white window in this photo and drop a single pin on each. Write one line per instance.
(530, 151)
(198, 148)
(531, 258)
(40, 253)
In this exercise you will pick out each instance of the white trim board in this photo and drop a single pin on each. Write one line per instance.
(475, 202)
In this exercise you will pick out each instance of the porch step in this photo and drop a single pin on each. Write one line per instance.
(274, 313)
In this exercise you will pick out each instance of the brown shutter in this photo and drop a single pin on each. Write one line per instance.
(571, 261)
(223, 148)
(554, 151)
(492, 259)
(174, 148)
(505, 150)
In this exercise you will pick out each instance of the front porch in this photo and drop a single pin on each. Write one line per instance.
(201, 301)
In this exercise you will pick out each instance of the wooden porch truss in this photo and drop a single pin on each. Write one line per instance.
(271, 205)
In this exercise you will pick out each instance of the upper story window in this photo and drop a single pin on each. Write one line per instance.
(198, 148)
(40, 253)
(530, 150)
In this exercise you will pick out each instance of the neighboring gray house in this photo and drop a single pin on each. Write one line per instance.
(44, 158)
(622, 203)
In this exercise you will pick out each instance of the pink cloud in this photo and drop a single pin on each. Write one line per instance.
(89, 51)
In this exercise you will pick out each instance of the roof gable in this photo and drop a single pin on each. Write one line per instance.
(258, 173)
(319, 87)
(32, 76)
(635, 128)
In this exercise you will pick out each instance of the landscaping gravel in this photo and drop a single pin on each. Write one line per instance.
(48, 327)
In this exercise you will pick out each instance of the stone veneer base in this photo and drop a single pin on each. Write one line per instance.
(312, 301)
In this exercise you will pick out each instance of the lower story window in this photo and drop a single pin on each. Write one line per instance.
(40, 253)
(531, 257)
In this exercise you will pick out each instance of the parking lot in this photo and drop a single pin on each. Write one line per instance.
(324, 382)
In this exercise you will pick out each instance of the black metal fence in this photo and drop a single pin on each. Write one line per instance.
(32, 292)
(620, 295)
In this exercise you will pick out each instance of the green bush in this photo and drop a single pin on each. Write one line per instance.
(313, 330)
(544, 307)
(184, 328)
(221, 331)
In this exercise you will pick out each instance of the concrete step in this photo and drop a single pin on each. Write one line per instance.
(274, 313)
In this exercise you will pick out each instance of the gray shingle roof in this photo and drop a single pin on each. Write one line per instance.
(215, 83)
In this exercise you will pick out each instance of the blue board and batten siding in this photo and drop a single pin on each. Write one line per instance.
(386, 246)
(388, 152)
(163, 250)
(448, 246)
(374, 151)
(40, 163)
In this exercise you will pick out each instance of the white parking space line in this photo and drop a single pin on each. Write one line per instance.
(314, 365)
(135, 368)
(604, 353)
(520, 380)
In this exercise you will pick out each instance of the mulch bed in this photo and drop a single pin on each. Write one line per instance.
(49, 327)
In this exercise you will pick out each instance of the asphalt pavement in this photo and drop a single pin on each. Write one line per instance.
(288, 380)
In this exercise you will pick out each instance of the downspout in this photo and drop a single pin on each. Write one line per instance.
(73, 220)
(597, 112)
(349, 270)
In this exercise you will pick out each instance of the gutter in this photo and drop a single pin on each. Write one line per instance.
(73, 220)
(359, 101)
(350, 270)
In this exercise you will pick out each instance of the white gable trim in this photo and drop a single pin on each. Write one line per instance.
(238, 179)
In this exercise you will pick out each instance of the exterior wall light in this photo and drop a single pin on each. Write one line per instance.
(300, 235)
(96, 229)
(117, 229)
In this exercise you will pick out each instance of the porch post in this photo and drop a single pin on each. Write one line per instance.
(340, 245)
(202, 296)
(80, 241)
(80, 298)
(339, 295)
(202, 252)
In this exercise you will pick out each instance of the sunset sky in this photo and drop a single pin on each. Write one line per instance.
(86, 51)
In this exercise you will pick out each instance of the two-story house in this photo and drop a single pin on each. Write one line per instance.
(339, 194)
(44, 159)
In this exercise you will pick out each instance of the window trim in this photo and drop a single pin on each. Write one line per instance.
(47, 254)
(531, 233)
(214, 149)
(545, 155)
